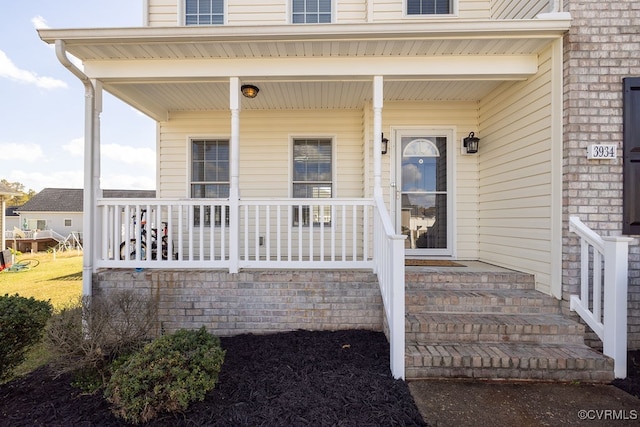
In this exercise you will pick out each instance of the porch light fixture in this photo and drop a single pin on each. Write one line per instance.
(471, 143)
(385, 144)
(250, 91)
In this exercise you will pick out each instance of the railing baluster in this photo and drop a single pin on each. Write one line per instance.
(354, 214)
(256, 240)
(223, 232)
(344, 233)
(278, 233)
(333, 233)
(289, 232)
(584, 271)
(191, 226)
(597, 285)
(267, 241)
(321, 212)
(300, 215)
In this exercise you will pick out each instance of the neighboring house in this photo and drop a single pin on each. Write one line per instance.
(305, 149)
(11, 218)
(5, 194)
(55, 214)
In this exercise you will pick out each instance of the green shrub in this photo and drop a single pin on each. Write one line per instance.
(165, 375)
(22, 322)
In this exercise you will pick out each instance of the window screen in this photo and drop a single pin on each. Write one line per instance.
(311, 11)
(204, 12)
(428, 7)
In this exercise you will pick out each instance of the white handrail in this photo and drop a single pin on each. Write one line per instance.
(389, 266)
(604, 259)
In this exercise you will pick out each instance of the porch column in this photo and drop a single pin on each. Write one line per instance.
(234, 174)
(96, 187)
(377, 135)
(3, 206)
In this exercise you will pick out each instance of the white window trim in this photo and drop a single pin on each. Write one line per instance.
(189, 159)
(453, 14)
(189, 167)
(334, 160)
(333, 13)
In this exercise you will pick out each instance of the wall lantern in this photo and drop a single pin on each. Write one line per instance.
(471, 143)
(385, 144)
(250, 91)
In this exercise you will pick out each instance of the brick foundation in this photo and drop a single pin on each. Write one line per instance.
(254, 301)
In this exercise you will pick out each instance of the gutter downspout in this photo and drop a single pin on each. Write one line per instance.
(88, 202)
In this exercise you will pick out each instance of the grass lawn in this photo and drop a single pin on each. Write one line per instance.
(57, 279)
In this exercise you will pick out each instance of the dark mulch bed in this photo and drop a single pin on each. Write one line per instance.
(290, 379)
(631, 384)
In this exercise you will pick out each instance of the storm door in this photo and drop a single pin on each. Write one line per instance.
(423, 191)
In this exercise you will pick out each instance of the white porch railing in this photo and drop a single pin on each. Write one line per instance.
(603, 261)
(284, 233)
(33, 235)
(269, 233)
(389, 256)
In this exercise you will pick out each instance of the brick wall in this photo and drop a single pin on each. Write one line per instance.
(254, 301)
(601, 48)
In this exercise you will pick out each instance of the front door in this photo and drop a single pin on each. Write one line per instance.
(423, 190)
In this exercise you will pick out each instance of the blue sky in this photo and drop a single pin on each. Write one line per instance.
(42, 103)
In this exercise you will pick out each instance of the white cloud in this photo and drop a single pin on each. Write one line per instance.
(39, 180)
(128, 182)
(141, 157)
(75, 147)
(10, 71)
(22, 152)
(144, 157)
(39, 22)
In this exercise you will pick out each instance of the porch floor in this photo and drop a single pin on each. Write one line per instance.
(486, 322)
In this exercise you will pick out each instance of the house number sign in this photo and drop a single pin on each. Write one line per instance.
(602, 151)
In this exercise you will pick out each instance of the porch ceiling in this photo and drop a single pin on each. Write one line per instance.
(391, 43)
(157, 98)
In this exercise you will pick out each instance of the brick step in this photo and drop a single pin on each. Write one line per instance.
(507, 301)
(492, 328)
(416, 279)
(552, 362)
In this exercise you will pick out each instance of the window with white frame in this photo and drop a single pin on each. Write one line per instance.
(311, 11)
(428, 7)
(210, 177)
(67, 222)
(204, 12)
(312, 178)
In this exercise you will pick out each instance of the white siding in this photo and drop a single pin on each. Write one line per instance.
(276, 12)
(258, 12)
(351, 11)
(163, 13)
(515, 175)
(264, 148)
(56, 221)
(518, 9)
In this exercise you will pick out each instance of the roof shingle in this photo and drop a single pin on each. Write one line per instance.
(70, 199)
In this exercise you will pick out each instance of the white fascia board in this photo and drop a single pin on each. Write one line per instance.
(425, 30)
(435, 67)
